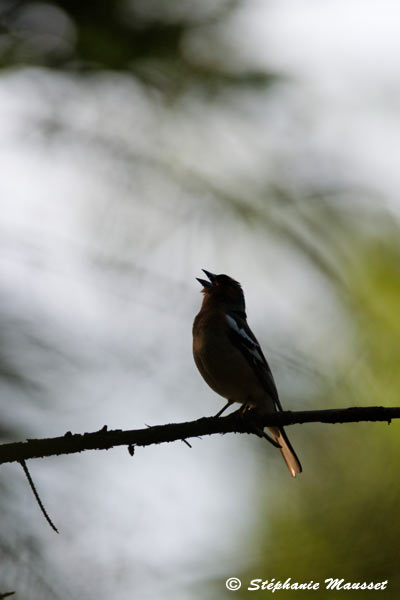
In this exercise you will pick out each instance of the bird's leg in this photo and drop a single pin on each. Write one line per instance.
(223, 409)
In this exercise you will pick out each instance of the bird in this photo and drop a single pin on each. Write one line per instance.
(230, 359)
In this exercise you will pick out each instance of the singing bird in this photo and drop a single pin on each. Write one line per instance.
(230, 359)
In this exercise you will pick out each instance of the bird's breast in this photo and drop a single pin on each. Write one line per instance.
(223, 366)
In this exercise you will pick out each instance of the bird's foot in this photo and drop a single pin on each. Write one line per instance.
(248, 410)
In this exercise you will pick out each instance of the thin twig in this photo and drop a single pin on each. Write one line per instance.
(35, 493)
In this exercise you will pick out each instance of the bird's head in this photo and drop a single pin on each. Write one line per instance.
(223, 290)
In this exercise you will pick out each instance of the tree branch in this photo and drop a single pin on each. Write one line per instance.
(233, 423)
(37, 497)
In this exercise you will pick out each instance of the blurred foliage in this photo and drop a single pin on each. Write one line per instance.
(167, 45)
(341, 519)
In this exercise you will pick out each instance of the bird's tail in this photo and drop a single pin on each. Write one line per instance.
(289, 455)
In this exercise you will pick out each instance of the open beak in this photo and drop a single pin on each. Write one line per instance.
(204, 282)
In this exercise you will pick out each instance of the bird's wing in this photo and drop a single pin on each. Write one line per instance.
(244, 339)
